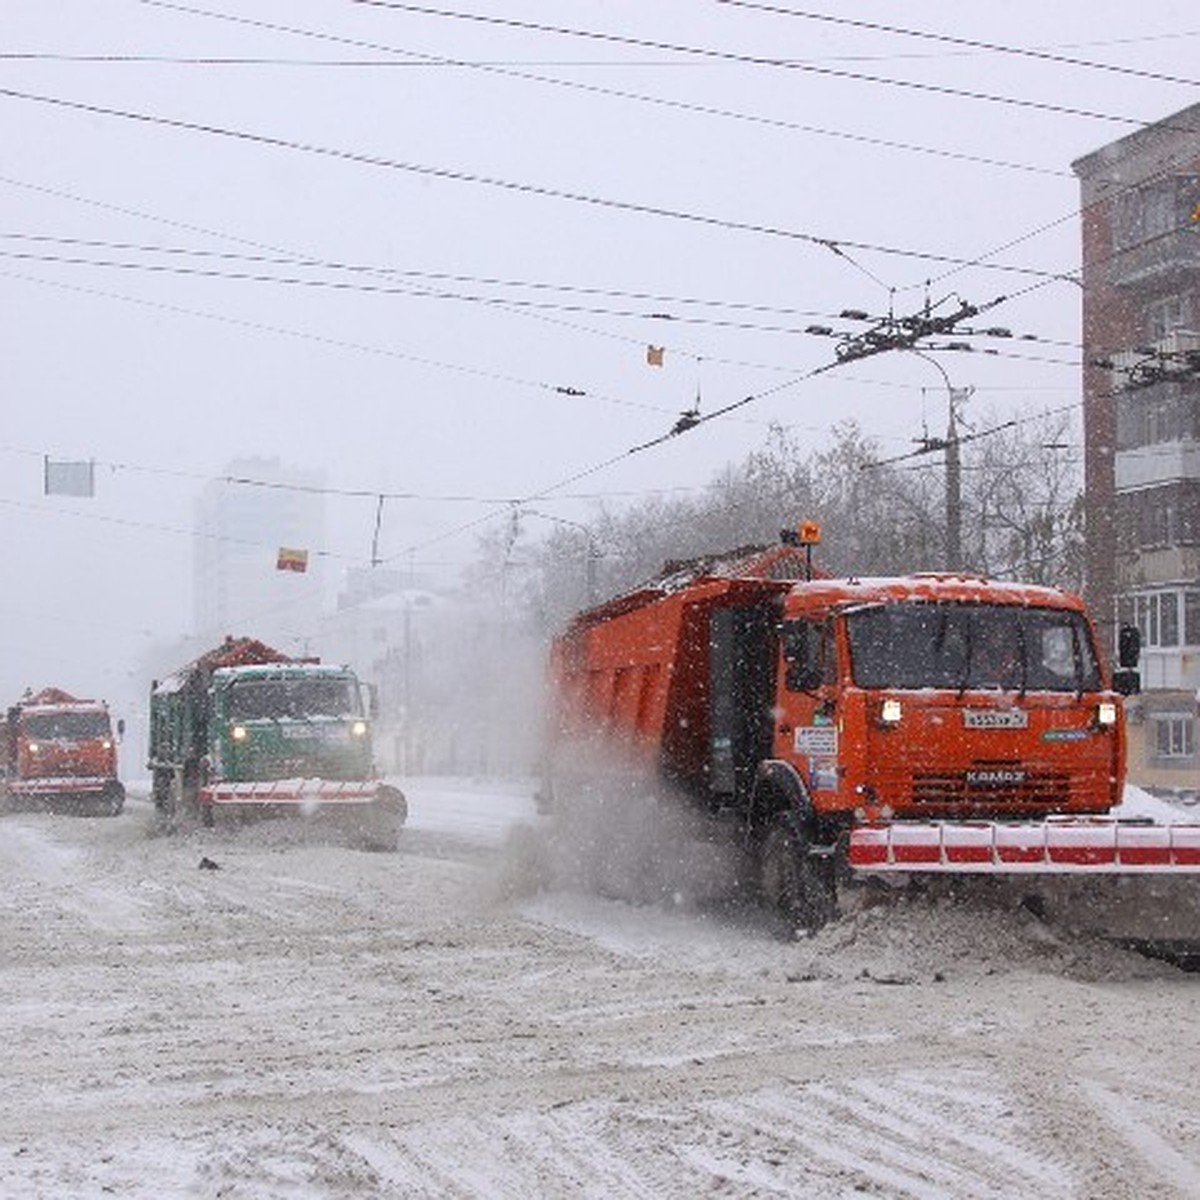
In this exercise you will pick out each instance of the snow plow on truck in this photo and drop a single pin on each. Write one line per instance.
(59, 752)
(244, 729)
(842, 728)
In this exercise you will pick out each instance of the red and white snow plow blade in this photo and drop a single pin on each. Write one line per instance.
(371, 812)
(316, 792)
(66, 785)
(1087, 845)
(1130, 881)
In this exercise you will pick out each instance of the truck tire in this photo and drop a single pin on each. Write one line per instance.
(796, 885)
(160, 789)
(113, 800)
(377, 826)
(392, 800)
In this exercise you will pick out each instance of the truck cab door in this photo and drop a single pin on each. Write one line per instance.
(806, 729)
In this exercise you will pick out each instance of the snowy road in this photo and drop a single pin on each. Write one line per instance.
(313, 1021)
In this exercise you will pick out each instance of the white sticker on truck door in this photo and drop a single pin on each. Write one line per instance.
(816, 741)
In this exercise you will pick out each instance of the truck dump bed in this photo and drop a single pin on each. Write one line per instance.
(634, 678)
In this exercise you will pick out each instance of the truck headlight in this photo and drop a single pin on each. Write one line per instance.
(1106, 713)
(890, 712)
(359, 729)
(34, 747)
(239, 733)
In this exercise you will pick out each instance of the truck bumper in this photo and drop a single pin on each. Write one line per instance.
(299, 792)
(370, 812)
(66, 785)
(102, 792)
(1058, 845)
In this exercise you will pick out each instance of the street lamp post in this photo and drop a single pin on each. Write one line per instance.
(951, 445)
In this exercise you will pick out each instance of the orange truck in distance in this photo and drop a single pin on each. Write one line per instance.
(929, 722)
(59, 752)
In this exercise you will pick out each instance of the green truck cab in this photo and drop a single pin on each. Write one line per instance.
(244, 729)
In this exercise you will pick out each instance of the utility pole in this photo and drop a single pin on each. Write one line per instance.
(954, 556)
(951, 444)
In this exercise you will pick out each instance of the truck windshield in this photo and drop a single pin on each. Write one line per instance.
(968, 645)
(65, 726)
(291, 699)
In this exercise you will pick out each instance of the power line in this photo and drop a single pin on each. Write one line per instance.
(315, 489)
(978, 261)
(961, 42)
(450, 175)
(613, 92)
(423, 287)
(746, 59)
(518, 304)
(566, 390)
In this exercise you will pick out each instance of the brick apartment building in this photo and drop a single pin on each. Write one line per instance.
(1141, 313)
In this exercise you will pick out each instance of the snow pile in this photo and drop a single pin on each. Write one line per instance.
(1140, 805)
(928, 937)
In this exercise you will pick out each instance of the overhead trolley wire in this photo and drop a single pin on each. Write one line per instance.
(1049, 56)
(446, 173)
(770, 61)
(502, 70)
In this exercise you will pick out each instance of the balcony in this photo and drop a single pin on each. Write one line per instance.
(1156, 259)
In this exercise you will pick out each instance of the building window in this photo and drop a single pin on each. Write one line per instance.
(1159, 208)
(1191, 618)
(1156, 525)
(1157, 617)
(1163, 618)
(1174, 735)
(1159, 516)
(1168, 619)
(1167, 315)
(1149, 416)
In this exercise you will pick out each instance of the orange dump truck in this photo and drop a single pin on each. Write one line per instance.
(930, 723)
(58, 751)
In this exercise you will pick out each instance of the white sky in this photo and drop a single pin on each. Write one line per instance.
(162, 377)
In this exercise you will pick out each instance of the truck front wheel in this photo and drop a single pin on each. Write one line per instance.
(795, 884)
(160, 789)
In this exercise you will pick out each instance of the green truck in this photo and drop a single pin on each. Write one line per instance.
(245, 729)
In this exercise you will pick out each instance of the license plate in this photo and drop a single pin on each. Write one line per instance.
(995, 718)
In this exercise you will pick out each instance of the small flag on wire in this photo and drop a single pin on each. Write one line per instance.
(654, 355)
(68, 478)
(291, 560)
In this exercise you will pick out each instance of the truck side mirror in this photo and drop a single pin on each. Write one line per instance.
(1129, 646)
(1126, 681)
(120, 727)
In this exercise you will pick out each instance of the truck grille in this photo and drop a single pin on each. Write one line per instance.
(992, 787)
